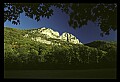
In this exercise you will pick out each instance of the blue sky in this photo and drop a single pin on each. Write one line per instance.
(59, 22)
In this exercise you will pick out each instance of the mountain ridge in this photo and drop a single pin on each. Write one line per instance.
(50, 33)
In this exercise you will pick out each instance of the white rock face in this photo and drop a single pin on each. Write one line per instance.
(26, 35)
(69, 38)
(49, 33)
(39, 39)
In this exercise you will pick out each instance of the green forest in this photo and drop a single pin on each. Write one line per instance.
(23, 53)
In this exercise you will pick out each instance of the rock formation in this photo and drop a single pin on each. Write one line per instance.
(45, 34)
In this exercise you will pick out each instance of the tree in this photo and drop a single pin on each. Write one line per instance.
(105, 15)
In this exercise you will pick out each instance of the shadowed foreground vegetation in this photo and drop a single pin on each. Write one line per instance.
(62, 74)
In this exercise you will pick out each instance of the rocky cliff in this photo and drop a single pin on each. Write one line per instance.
(49, 36)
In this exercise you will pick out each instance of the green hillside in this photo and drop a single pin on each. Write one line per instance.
(109, 47)
(20, 51)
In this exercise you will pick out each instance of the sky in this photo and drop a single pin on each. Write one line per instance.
(59, 22)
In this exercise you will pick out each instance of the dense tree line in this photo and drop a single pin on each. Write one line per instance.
(110, 47)
(24, 51)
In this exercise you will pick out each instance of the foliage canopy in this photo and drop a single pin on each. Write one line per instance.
(105, 15)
